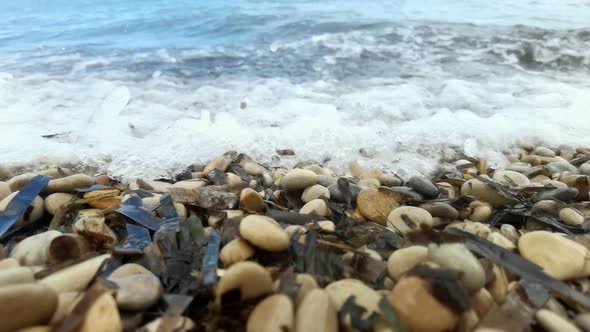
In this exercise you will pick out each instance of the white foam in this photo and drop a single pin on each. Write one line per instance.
(173, 124)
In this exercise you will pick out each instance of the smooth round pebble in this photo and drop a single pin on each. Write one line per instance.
(251, 279)
(483, 192)
(550, 251)
(317, 207)
(424, 187)
(250, 201)
(544, 152)
(552, 322)
(34, 215)
(237, 250)
(316, 313)
(571, 216)
(441, 210)
(54, 201)
(4, 190)
(409, 218)
(405, 259)
(264, 232)
(510, 178)
(273, 314)
(314, 192)
(137, 292)
(298, 179)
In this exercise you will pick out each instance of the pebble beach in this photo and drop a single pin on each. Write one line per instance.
(237, 245)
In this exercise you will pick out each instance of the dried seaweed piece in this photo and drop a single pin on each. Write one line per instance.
(288, 283)
(239, 171)
(504, 192)
(196, 230)
(168, 210)
(211, 260)
(65, 215)
(389, 314)
(176, 303)
(369, 270)
(520, 266)
(138, 238)
(141, 216)
(355, 312)
(92, 188)
(517, 216)
(19, 205)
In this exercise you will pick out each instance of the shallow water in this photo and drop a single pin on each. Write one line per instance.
(151, 86)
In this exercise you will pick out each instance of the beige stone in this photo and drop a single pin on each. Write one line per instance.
(264, 232)
(237, 250)
(316, 313)
(273, 314)
(298, 179)
(251, 279)
(456, 257)
(409, 218)
(403, 260)
(317, 207)
(552, 322)
(314, 192)
(376, 205)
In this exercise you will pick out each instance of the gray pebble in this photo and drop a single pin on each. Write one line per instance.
(424, 187)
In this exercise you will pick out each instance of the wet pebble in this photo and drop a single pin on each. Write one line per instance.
(483, 192)
(316, 313)
(249, 278)
(560, 167)
(69, 184)
(317, 207)
(510, 178)
(237, 250)
(562, 194)
(137, 291)
(543, 151)
(405, 259)
(552, 322)
(338, 196)
(54, 201)
(571, 216)
(424, 187)
(441, 210)
(251, 201)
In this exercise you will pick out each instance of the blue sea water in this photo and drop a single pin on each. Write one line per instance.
(146, 87)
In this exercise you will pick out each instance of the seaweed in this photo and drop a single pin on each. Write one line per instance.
(138, 238)
(140, 216)
(355, 312)
(389, 314)
(210, 261)
(92, 188)
(21, 202)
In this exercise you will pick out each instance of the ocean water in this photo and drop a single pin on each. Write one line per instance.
(147, 87)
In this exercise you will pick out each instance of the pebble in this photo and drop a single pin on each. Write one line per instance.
(264, 232)
(317, 207)
(252, 168)
(250, 201)
(369, 183)
(544, 152)
(499, 286)
(251, 279)
(237, 250)
(54, 201)
(501, 240)
(549, 206)
(190, 184)
(4, 190)
(552, 322)
(585, 168)
(365, 296)
(483, 192)
(376, 205)
(129, 269)
(273, 314)
(26, 305)
(447, 189)
(583, 321)
(482, 302)
(441, 210)
(137, 291)
(306, 283)
(5, 173)
(75, 278)
(34, 250)
(338, 196)
(69, 184)
(16, 275)
(390, 180)
(480, 213)
(217, 200)
(220, 163)
(314, 192)
(183, 324)
(418, 309)
(106, 202)
(456, 257)
(7, 263)
(30, 217)
(562, 194)
(316, 313)
(467, 321)
(409, 218)
(102, 315)
(17, 182)
(298, 179)
(405, 259)
(560, 167)
(508, 178)
(424, 187)
(326, 180)
(549, 250)
(571, 216)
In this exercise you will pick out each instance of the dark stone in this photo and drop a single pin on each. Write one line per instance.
(562, 194)
(424, 187)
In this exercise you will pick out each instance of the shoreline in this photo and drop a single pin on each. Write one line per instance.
(229, 243)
